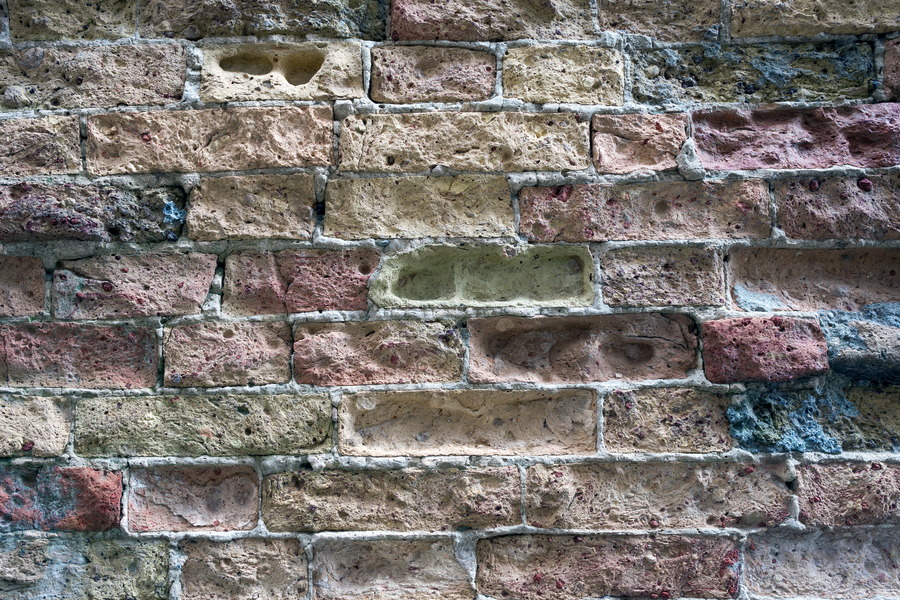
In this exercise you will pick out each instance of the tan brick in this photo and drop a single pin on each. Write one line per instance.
(400, 500)
(639, 142)
(504, 141)
(209, 140)
(416, 207)
(407, 74)
(34, 425)
(837, 494)
(750, 18)
(42, 146)
(875, 425)
(21, 286)
(468, 422)
(70, 19)
(668, 20)
(556, 73)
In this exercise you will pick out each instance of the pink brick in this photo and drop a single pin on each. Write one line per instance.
(838, 494)
(892, 68)
(21, 286)
(763, 349)
(405, 74)
(626, 143)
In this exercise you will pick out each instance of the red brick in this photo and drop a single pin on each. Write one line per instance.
(43, 146)
(892, 69)
(626, 143)
(21, 286)
(406, 74)
(838, 494)
(763, 349)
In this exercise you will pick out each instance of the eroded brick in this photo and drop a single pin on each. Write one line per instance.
(863, 345)
(407, 74)
(838, 494)
(70, 19)
(892, 68)
(751, 18)
(34, 425)
(555, 73)
(668, 20)
(626, 143)
(21, 286)
(41, 146)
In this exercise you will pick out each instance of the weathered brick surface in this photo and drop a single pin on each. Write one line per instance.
(41, 146)
(465, 141)
(468, 422)
(21, 286)
(626, 143)
(209, 140)
(581, 349)
(34, 425)
(70, 19)
(377, 352)
(763, 349)
(292, 281)
(216, 354)
(837, 494)
(193, 499)
(892, 68)
(876, 423)
(406, 74)
(220, 425)
(566, 567)
(678, 20)
(750, 18)
(400, 500)
(415, 207)
(646, 211)
(554, 73)
(863, 345)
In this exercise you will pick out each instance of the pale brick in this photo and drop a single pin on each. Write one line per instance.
(21, 286)
(838, 494)
(468, 422)
(668, 20)
(70, 19)
(751, 18)
(407, 74)
(504, 141)
(416, 207)
(638, 142)
(399, 500)
(34, 425)
(42, 146)
(571, 74)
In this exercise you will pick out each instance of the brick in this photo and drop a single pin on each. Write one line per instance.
(95, 77)
(252, 207)
(468, 422)
(839, 207)
(221, 354)
(663, 275)
(377, 352)
(817, 138)
(292, 281)
(41, 146)
(809, 17)
(863, 345)
(408, 74)
(672, 21)
(754, 73)
(892, 69)
(763, 349)
(80, 356)
(666, 420)
(115, 286)
(194, 19)
(57, 498)
(570, 74)
(193, 499)
(399, 500)
(212, 425)
(627, 143)
(209, 140)
(842, 563)
(646, 211)
(650, 495)
(838, 494)
(875, 425)
(389, 570)
(39, 212)
(504, 141)
(581, 349)
(244, 569)
(566, 567)
(417, 207)
(70, 19)
(21, 286)
(490, 20)
(34, 425)
(460, 275)
(306, 71)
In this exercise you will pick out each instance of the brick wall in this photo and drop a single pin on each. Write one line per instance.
(505, 299)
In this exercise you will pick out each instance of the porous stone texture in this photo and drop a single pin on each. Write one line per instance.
(864, 345)
(556, 73)
(892, 68)
(567, 567)
(678, 20)
(115, 286)
(841, 563)
(468, 422)
(581, 349)
(292, 281)
(377, 352)
(34, 425)
(220, 425)
(193, 499)
(244, 569)
(646, 211)
(21, 286)
(490, 20)
(663, 275)
(416, 207)
(639, 142)
(39, 212)
(308, 71)
(209, 140)
(460, 275)
(399, 500)
(219, 354)
(389, 570)
(465, 141)
(86, 77)
(70, 19)
(875, 425)
(78, 356)
(816, 138)
(753, 18)
(837, 494)
(251, 207)
(754, 73)
(666, 420)
(407, 74)
(41, 146)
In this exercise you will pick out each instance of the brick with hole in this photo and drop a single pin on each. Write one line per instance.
(40, 146)
(21, 286)
(408, 74)
(844, 494)
(638, 142)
